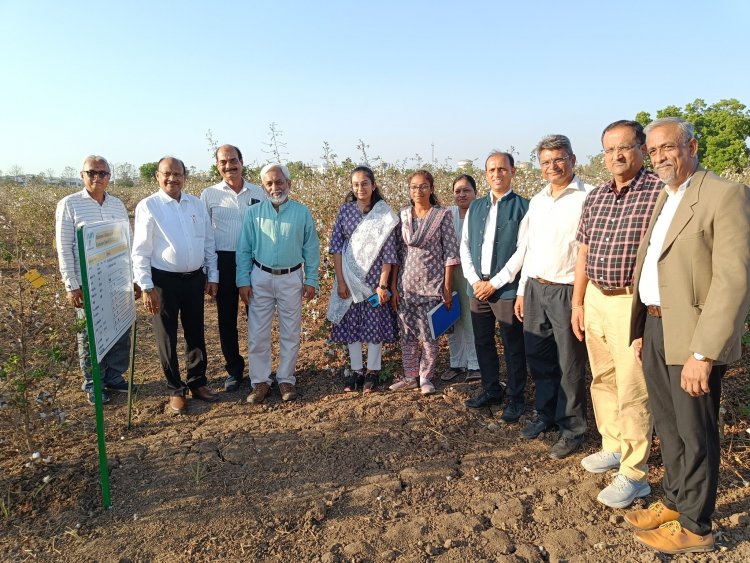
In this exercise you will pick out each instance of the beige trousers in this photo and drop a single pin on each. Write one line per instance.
(618, 386)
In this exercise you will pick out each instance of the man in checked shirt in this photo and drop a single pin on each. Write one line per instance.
(614, 219)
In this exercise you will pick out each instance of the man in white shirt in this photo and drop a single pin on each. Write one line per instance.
(90, 205)
(692, 294)
(491, 258)
(556, 358)
(173, 243)
(226, 203)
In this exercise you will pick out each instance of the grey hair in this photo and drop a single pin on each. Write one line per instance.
(554, 142)
(687, 129)
(274, 166)
(95, 158)
(496, 152)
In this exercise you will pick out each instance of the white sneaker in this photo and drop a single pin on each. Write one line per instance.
(426, 387)
(601, 461)
(622, 491)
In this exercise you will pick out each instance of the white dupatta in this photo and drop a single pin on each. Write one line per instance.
(358, 257)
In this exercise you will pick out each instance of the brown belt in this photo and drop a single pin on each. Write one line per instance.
(547, 282)
(612, 291)
(654, 310)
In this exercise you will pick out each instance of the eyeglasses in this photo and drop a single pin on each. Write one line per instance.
(364, 184)
(667, 147)
(94, 173)
(420, 187)
(621, 149)
(175, 175)
(555, 162)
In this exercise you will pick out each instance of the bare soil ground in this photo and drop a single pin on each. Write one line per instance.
(330, 477)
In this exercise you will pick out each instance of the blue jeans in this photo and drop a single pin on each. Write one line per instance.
(111, 366)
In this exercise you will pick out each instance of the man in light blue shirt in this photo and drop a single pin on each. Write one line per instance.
(277, 244)
(226, 203)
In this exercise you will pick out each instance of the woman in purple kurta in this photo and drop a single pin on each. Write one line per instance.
(429, 249)
(363, 322)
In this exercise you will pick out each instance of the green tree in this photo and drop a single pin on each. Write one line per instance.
(721, 129)
(147, 171)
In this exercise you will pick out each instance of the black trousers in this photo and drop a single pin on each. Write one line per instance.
(227, 305)
(484, 315)
(556, 358)
(688, 433)
(181, 296)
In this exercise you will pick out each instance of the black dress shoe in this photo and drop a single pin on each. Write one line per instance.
(512, 412)
(535, 427)
(483, 400)
(565, 446)
(232, 383)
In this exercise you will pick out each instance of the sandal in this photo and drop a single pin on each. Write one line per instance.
(371, 380)
(353, 380)
(404, 384)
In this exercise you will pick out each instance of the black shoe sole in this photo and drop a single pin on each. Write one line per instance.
(484, 404)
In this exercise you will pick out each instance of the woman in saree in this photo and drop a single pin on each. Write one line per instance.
(429, 252)
(363, 245)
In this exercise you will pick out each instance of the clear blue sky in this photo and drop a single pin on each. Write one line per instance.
(136, 80)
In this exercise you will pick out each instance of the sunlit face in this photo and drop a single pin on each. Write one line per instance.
(623, 156)
(362, 187)
(97, 184)
(229, 164)
(463, 193)
(557, 166)
(673, 160)
(171, 177)
(277, 186)
(499, 174)
(420, 190)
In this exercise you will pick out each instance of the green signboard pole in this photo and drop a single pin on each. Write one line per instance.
(133, 330)
(95, 374)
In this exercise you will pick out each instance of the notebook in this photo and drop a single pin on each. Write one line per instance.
(441, 318)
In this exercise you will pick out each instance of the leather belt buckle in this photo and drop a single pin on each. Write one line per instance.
(654, 311)
(613, 291)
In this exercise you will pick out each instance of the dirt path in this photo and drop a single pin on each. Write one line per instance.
(331, 477)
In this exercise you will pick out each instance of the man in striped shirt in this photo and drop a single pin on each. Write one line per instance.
(614, 220)
(226, 203)
(91, 205)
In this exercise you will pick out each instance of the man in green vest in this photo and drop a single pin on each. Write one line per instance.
(491, 257)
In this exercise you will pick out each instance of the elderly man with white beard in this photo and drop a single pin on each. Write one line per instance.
(278, 256)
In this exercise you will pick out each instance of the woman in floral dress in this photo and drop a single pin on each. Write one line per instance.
(363, 245)
(429, 252)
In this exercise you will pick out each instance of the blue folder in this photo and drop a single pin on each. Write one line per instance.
(441, 318)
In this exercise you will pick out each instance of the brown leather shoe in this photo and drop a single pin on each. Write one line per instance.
(259, 393)
(288, 392)
(204, 394)
(672, 538)
(178, 404)
(652, 517)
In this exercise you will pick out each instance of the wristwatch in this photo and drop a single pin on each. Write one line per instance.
(699, 357)
(383, 287)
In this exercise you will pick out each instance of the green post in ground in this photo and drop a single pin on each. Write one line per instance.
(96, 376)
(132, 371)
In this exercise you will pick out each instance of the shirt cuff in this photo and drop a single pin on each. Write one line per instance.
(500, 279)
